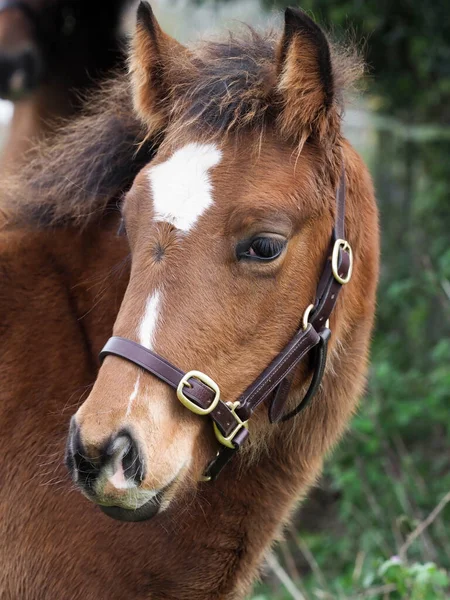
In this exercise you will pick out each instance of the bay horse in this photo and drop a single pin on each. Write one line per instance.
(52, 52)
(230, 159)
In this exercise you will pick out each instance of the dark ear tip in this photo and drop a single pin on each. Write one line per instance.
(290, 12)
(293, 14)
(296, 18)
(145, 14)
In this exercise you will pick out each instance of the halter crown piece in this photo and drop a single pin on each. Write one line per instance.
(201, 395)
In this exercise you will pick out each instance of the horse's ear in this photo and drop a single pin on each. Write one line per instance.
(153, 56)
(305, 76)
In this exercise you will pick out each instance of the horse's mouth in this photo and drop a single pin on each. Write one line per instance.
(143, 513)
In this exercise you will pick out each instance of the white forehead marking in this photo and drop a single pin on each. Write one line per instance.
(181, 185)
(147, 326)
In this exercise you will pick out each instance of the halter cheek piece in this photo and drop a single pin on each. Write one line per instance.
(201, 395)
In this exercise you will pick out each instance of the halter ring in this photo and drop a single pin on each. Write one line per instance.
(306, 314)
(228, 440)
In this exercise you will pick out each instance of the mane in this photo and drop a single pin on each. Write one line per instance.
(227, 85)
(73, 176)
(219, 87)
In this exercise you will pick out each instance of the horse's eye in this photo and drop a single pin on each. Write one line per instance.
(263, 248)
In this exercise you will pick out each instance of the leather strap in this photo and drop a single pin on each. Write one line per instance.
(223, 457)
(319, 363)
(279, 368)
(199, 393)
(326, 298)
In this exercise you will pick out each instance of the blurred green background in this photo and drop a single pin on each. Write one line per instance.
(378, 525)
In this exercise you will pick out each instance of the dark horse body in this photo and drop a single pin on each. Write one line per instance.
(52, 52)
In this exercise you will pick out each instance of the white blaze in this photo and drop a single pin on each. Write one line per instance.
(133, 395)
(181, 186)
(147, 325)
(182, 192)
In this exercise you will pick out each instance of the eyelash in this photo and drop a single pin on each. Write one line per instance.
(261, 248)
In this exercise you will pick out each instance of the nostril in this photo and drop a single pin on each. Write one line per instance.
(82, 469)
(127, 464)
(118, 461)
(132, 465)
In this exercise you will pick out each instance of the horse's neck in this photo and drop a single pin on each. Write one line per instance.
(56, 311)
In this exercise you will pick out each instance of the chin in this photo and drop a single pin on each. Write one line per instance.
(145, 512)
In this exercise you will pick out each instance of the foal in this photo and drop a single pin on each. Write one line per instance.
(51, 53)
(229, 229)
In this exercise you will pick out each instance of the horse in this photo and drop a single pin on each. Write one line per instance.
(51, 54)
(231, 172)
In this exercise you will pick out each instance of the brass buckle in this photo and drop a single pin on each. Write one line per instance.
(228, 441)
(191, 405)
(345, 246)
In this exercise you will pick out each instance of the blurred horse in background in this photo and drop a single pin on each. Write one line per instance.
(51, 53)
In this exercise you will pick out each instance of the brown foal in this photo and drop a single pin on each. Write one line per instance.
(228, 231)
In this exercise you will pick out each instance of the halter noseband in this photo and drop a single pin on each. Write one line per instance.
(201, 395)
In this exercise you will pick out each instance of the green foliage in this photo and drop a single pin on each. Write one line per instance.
(407, 50)
(416, 581)
(393, 579)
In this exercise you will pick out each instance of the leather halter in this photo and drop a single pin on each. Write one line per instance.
(201, 395)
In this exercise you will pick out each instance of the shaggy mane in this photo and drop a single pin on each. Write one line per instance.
(219, 88)
(227, 85)
(73, 176)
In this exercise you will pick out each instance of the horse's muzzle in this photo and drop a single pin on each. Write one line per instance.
(111, 475)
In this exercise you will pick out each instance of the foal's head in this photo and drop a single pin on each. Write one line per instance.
(228, 230)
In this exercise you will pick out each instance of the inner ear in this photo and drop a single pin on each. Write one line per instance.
(154, 61)
(305, 74)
